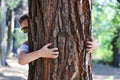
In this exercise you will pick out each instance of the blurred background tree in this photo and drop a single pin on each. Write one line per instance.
(106, 29)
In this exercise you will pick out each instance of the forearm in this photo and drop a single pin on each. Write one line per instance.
(26, 58)
(45, 52)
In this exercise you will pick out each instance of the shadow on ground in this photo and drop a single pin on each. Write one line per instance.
(18, 72)
(11, 78)
(105, 72)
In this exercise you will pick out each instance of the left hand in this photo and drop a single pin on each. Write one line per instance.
(91, 45)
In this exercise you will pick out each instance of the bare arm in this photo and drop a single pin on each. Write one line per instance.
(45, 52)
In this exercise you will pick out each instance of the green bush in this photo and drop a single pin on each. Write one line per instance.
(19, 36)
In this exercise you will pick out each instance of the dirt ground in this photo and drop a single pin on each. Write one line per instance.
(19, 72)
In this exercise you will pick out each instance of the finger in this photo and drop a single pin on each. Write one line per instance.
(92, 38)
(89, 45)
(88, 50)
(54, 56)
(49, 44)
(89, 42)
(54, 49)
(55, 53)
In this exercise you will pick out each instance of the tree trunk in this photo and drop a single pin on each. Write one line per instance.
(3, 43)
(116, 54)
(9, 30)
(118, 1)
(67, 24)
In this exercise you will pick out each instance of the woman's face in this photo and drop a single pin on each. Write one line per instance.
(24, 26)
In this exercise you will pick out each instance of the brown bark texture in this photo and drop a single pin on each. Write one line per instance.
(67, 24)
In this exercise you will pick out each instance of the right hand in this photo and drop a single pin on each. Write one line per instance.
(48, 53)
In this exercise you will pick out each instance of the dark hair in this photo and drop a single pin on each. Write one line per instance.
(22, 18)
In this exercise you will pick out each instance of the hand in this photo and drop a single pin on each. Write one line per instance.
(91, 45)
(48, 53)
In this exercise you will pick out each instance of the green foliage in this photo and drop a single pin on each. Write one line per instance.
(19, 36)
(1, 14)
(12, 3)
(105, 21)
(25, 2)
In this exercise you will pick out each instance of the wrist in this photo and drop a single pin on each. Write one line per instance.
(38, 53)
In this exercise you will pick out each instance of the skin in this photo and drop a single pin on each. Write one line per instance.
(45, 52)
(91, 45)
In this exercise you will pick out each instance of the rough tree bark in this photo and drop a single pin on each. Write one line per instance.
(67, 24)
